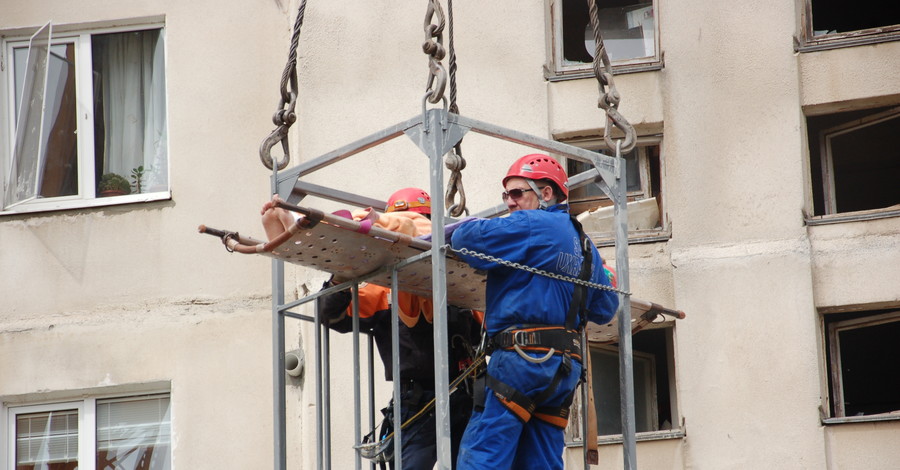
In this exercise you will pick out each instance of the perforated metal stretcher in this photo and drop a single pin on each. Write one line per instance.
(352, 249)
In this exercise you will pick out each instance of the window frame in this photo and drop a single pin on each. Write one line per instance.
(827, 156)
(822, 139)
(10, 426)
(87, 196)
(807, 41)
(87, 423)
(835, 388)
(662, 233)
(573, 431)
(556, 68)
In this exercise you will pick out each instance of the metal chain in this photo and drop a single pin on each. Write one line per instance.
(609, 102)
(559, 277)
(454, 160)
(284, 115)
(434, 48)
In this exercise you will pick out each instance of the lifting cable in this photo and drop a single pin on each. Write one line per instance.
(437, 83)
(284, 115)
(609, 101)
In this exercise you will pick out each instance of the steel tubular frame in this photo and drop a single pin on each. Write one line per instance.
(435, 132)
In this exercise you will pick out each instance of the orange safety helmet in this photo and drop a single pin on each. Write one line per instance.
(409, 199)
(538, 166)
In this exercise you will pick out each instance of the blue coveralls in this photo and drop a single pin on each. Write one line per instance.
(545, 239)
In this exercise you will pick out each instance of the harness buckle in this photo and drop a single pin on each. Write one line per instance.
(518, 337)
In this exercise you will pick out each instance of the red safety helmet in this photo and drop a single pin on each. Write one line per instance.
(409, 199)
(538, 166)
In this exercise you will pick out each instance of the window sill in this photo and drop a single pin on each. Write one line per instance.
(59, 204)
(588, 72)
(838, 41)
(860, 216)
(606, 239)
(892, 416)
(639, 437)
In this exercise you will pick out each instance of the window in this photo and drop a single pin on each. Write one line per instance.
(644, 186)
(628, 28)
(829, 24)
(862, 351)
(81, 107)
(654, 391)
(117, 433)
(855, 162)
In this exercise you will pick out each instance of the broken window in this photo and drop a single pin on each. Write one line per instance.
(83, 107)
(855, 161)
(862, 352)
(836, 24)
(642, 173)
(628, 28)
(654, 392)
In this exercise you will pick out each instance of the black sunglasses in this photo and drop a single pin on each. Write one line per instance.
(515, 193)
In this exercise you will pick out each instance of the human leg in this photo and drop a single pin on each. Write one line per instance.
(418, 442)
(460, 412)
(491, 438)
(541, 444)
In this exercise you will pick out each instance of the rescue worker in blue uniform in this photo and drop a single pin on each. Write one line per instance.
(519, 421)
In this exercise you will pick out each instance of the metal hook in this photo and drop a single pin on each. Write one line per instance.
(280, 134)
(534, 360)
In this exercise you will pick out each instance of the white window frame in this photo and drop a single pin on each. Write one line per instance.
(87, 424)
(557, 69)
(85, 440)
(86, 197)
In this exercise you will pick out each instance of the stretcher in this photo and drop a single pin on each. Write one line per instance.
(350, 249)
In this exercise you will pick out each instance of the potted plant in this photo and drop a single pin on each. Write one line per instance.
(137, 178)
(112, 184)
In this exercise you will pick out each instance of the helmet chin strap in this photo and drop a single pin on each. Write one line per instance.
(537, 192)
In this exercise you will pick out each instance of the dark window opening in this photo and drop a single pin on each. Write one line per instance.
(832, 16)
(855, 160)
(862, 353)
(653, 410)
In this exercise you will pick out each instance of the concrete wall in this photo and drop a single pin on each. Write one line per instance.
(113, 298)
(131, 298)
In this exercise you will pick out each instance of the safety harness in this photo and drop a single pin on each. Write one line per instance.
(545, 339)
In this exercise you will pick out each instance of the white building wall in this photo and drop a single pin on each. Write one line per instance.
(131, 297)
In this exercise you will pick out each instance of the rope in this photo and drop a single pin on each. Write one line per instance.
(452, 59)
(559, 277)
(609, 102)
(454, 160)
(374, 448)
(284, 115)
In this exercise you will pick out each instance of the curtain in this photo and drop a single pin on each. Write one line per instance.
(130, 67)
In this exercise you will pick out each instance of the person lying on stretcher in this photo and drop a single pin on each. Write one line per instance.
(404, 214)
